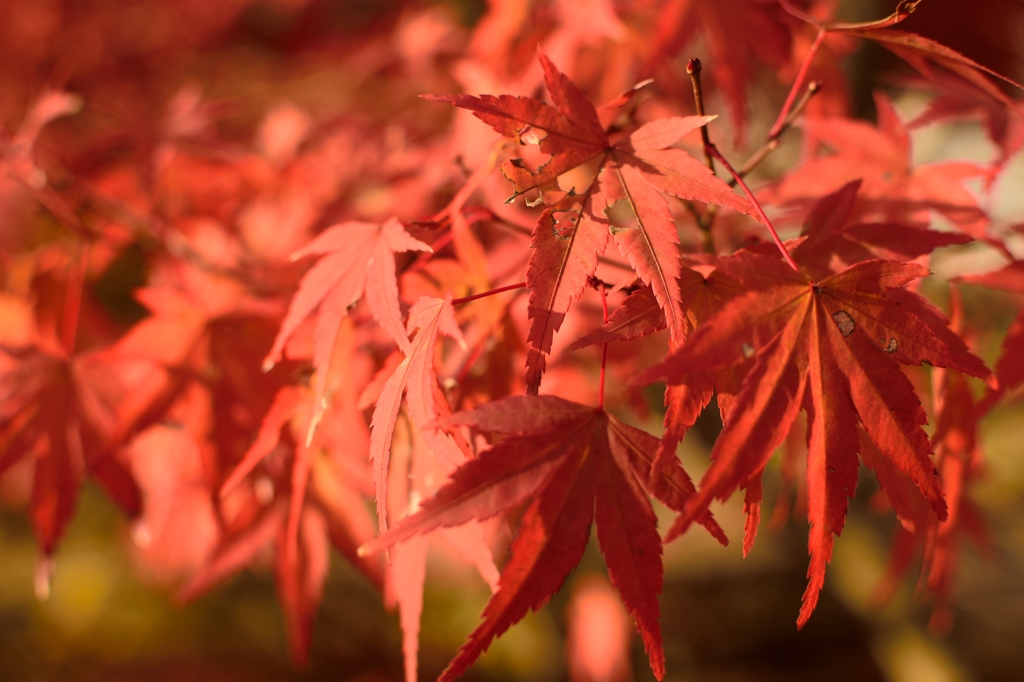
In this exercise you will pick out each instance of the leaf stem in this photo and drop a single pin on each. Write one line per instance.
(604, 348)
(773, 143)
(798, 13)
(704, 220)
(782, 121)
(485, 294)
(713, 151)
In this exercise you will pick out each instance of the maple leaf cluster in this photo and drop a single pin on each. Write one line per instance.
(383, 304)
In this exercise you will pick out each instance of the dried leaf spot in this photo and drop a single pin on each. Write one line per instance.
(563, 228)
(530, 137)
(748, 350)
(844, 322)
(892, 347)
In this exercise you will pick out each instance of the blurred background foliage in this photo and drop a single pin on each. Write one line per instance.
(724, 618)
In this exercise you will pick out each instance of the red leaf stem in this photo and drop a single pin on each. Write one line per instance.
(485, 294)
(604, 348)
(713, 150)
(781, 121)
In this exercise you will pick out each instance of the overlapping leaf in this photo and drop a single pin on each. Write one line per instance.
(833, 241)
(415, 378)
(298, 511)
(59, 410)
(577, 464)
(358, 261)
(704, 290)
(574, 228)
(419, 474)
(832, 348)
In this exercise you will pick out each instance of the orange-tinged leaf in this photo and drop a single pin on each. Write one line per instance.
(650, 243)
(416, 378)
(358, 261)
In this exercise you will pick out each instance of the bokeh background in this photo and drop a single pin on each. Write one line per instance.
(724, 618)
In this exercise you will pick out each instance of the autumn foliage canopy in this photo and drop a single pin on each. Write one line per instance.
(466, 299)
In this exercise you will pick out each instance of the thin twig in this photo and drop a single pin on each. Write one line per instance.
(711, 149)
(780, 122)
(704, 220)
(693, 67)
(485, 294)
(773, 143)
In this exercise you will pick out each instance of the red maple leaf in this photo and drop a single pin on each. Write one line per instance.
(924, 53)
(55, 409)
(833, 241)
(423, 455)
(704, 290)
(832, 348)
(577, 464)
(639, 315)
(60, 410)
(358, 261)
(573, 230)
